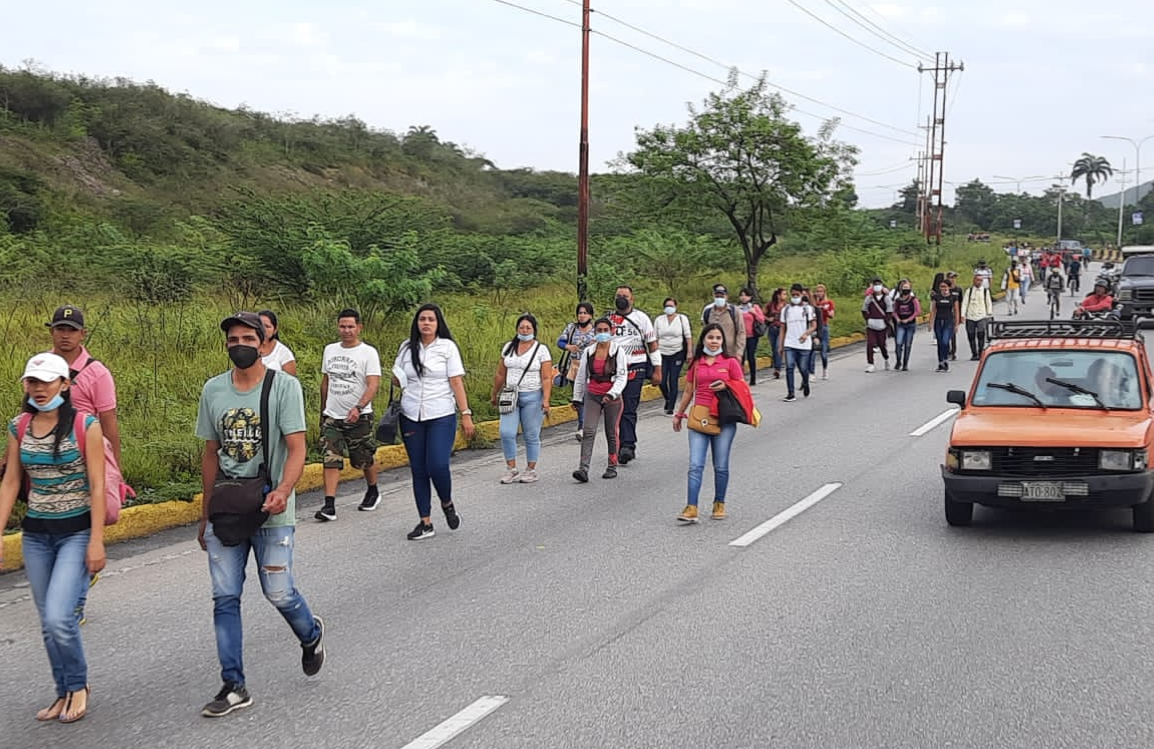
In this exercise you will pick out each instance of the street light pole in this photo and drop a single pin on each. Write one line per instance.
(1137, 163)
(1019, 180)
(1121, 203)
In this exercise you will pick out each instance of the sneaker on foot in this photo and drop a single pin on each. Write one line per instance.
(421, 531)
(451, 516)
(688, 515)
(371, 500)
(824, 375)
(580, 435)
(718, 511)
(326, 513)
(313, 654)
(870, 369)
(805, 388)
(886, 364)
(581, 475)
(231, 697)
(510, 476)
(610, 472)
(528, 477)
(789, 398)
(625, 455)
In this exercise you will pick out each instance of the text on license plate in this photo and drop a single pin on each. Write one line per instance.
(1042, 491)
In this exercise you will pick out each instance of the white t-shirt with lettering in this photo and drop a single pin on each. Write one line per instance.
(348, 370)
(515, 365)
(278, 357)
(797, 319)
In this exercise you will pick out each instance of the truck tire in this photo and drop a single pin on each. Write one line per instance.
(1144, 516)
(962, 513)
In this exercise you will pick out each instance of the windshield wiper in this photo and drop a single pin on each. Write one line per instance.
(1080, 390)
(1016, 390)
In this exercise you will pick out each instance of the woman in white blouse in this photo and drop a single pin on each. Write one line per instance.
(522, 367)
(275, 354)
(434, 390)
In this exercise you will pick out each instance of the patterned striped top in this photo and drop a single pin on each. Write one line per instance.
(58, 496)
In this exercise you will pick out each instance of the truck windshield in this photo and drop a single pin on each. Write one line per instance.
(1110, 379)
(1139, 266)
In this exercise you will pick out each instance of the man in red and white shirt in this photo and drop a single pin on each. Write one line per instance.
(633, 331)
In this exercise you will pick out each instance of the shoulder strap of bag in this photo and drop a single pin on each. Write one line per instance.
(74, 373)
(525, 371)
(22, 423)
(265, 391)
(80, 434)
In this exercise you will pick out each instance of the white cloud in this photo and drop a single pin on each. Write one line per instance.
(305, 35)
(1016, 18)
(411, 30)
(889, 11)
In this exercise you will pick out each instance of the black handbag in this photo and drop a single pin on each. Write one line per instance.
(235, 508)
(390, 420)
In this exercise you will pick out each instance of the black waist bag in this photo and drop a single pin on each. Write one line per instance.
(235, 507)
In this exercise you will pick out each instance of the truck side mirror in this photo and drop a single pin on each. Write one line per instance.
(957, 397)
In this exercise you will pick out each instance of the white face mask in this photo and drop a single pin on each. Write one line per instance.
(711, 351)
(795, 300)
(670, 310)
(878, 288)
(719, 301)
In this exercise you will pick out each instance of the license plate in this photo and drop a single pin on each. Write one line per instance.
(1042, 491)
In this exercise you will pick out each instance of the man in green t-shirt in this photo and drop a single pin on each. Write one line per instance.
(230, 422)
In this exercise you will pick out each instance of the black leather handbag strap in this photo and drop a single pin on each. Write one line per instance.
(265, 392)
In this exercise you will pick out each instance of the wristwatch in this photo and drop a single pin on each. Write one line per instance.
(467, 412)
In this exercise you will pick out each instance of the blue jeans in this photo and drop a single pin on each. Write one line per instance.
(430, 445)
(821, 343)
(671, 378)
(774, 336)
(1025, 288)
(943, 333)
(529, 416)
(699, 444)
(58, 574)
(904, 336)
(273, 549)
(631, 401)
(801, 359)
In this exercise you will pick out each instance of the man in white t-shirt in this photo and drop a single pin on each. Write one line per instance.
(986, 272)
(799, 320)
(633, 331)
(351, 372)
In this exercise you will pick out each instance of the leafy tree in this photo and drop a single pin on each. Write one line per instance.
(977, 203)
(1091, 169)
(740, 156)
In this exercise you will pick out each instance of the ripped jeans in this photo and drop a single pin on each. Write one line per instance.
(273, 549)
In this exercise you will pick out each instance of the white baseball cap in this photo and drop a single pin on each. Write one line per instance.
(46, 367)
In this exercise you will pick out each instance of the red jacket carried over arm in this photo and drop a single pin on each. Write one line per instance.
(1093, 303)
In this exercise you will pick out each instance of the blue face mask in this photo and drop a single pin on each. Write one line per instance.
(525, 336)
(603, 337)
(711, 351)
(719, 301)
(670, 310)
(51, 405)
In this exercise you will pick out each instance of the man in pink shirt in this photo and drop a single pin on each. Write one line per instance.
(93, 390)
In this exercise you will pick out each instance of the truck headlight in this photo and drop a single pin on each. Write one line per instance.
(976, 460)
(1125, 295)
(1118, 460)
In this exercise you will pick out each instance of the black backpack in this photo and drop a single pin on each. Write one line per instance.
(732, 315)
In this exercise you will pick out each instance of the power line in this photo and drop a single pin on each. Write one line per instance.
(880, 32)
(853, 39)
(890, 170)
(559, 19)
(726, 66)
(954, 98)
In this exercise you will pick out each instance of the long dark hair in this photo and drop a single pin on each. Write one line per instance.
(939, 279)
(414, 342)
(699, 351)
(65, 416)
(774, 301)
(512, 344)
(588, 307)
(275, 323)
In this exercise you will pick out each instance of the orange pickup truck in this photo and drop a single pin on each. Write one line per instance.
(1059, 416)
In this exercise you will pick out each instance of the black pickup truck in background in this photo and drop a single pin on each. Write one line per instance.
(1135, 291)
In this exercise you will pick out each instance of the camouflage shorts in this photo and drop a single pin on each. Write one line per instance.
(340, 438)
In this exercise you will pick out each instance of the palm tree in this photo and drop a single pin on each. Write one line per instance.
(1091, 169)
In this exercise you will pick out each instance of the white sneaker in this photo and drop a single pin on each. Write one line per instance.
(580, 435)
(510, 476)
(869, 369)
(529, 476)
(825, 375)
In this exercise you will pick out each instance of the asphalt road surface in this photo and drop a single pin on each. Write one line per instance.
(566, 615)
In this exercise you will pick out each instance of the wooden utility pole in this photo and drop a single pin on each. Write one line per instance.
(937, 149)
(583, 164)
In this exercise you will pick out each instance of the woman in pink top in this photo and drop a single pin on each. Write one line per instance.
(711, 372)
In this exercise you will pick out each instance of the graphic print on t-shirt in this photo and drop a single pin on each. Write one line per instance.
(240, 434)
(344, 379)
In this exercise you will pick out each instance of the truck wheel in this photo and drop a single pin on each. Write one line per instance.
(1144, 516)
(962, 513)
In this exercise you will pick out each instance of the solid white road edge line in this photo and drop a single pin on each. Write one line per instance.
(786, 515)
(935, 422)
(452, 727)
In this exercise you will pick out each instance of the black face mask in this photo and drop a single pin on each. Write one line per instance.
(622, 303)
(243, 356)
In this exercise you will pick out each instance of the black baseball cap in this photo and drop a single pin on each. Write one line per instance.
(67, 315)
(719, 288)
(247, 319)
(797, 287)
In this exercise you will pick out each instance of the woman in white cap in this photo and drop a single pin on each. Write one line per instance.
(61, 455)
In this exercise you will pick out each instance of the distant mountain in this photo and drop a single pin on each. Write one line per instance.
(1111, 201)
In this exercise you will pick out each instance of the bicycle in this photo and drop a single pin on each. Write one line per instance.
(1055, 298)
(1074, 284)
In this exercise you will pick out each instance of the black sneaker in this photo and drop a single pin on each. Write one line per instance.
(805, 389)
(581, 475)
(231, 697)
(610, 472)
(371, 500)
(313, 654)
(451, 516)
(790, 398)
(626, 454)
(326, 513)
(421, 531)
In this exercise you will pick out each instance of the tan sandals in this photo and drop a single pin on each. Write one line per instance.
(67, 715)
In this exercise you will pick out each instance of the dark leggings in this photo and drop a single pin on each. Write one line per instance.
(670, 379)
(751, 357)
(430, 445)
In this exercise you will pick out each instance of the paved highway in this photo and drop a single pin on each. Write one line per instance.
(566, 615)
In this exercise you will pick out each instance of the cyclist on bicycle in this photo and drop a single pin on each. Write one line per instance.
(1098, 302)
(1054, 285)
(1075, 273)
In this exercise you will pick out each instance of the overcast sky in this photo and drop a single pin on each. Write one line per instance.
(1043, 80)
